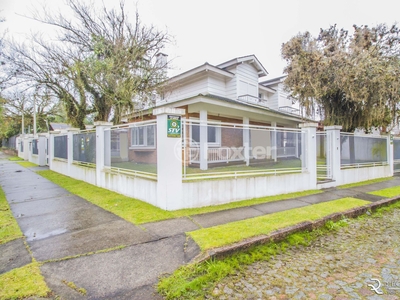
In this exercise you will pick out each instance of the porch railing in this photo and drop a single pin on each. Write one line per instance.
(253, 100)
(217, 155)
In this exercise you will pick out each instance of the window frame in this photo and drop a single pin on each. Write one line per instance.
(215, 144)
(136, 138)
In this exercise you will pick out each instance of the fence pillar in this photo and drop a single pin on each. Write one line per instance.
(42, 155)
(25, 140)
(51, 149)
(101, 126)
(169, 161)
(333, 151)
(310, 155)
(203, 140)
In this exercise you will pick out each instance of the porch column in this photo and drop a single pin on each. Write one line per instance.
(274, 149)
(333, 151)
(246, 140)
(169, 160)
(101, 142)
(309, 156)
(203, 140)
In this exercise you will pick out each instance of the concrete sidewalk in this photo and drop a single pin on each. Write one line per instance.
(57, 225)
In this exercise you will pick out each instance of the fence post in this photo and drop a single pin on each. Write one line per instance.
(333, 152)
(169, 160)
(311, 151)
(100, 150)
(51, 149)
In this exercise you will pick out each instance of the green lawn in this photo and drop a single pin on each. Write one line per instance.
(9, 229)
(15, 158)
(26, 164)
(229, 233)
(350, 185)
(23, 282)
(389, 192)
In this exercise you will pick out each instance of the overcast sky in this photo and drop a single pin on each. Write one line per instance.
(215, 31)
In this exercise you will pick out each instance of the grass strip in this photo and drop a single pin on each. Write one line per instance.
(243, 203)
(9, 229)
(229, 233)
(139, 212)
(26, 164)
(196, 280)
(388, 192)
(15, 158)
(130, 209)
(23, 282)
(361, 183)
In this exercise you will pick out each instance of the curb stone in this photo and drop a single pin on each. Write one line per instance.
(281, 234)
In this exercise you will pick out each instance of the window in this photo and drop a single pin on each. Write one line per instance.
(213, 135)
(144, 136)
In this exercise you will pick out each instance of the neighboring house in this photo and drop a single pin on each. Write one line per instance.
(58, 126)
(231, 92)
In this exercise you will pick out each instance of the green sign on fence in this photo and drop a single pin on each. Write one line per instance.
(174, 126)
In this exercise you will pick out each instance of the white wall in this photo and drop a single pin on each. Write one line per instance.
(139, 188)
(214, 192)
(216, 86)
(188, 89)
(363, 174)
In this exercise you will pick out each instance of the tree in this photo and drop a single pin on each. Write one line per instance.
(118, 60)
(99, 65)
(17, 105)
(355, 79)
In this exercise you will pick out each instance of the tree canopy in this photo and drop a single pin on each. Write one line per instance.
(100, 64)
(354, 78)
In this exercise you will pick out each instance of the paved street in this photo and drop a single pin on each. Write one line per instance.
(336, 266)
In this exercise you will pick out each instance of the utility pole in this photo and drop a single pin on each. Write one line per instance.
(23, 123)
(34, 115)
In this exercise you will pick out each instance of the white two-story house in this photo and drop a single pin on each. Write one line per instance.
(235, 92)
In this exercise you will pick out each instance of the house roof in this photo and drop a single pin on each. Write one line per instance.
(251, 105)
(242, 103)
(221, 68)
(249, 58)
(59, 126)
(273, 81)
(206, 67)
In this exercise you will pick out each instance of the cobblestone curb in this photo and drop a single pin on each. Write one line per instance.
(281, 234)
